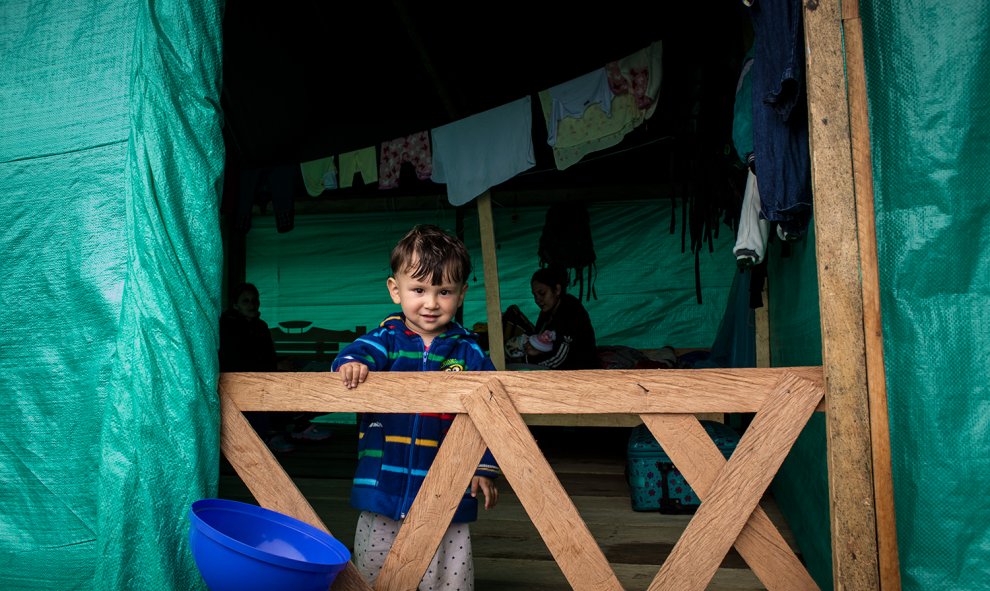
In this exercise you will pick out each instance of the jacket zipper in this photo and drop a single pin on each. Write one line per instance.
(413, 436)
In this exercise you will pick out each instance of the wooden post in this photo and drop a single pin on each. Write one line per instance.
(876, 379)
(490, 262)
(493, 302)
(850, 465)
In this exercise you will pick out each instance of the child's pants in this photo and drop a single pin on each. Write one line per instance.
(452, 567)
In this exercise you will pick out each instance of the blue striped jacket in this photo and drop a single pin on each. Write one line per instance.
(396, 450)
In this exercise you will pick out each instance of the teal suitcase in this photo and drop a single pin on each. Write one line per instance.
(655, 484)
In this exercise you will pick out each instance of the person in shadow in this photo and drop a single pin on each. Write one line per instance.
(563, 336)
(246, 345)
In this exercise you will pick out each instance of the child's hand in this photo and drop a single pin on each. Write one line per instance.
(354, 373)
(487, 486)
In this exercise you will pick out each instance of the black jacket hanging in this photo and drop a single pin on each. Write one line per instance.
(566, 243)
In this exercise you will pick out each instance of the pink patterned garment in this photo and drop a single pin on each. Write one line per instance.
(414, 149)
(637, 78)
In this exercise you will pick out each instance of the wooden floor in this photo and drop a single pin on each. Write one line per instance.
(508, 551)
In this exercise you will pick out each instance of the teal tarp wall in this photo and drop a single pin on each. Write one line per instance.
(928, 76)
(331, 270)
(928, 80)
(110, 164)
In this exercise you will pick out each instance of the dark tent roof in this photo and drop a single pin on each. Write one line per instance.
(305, 80)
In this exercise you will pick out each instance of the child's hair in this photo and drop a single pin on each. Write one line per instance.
(249, 287)
(551, 276)
(437, 256)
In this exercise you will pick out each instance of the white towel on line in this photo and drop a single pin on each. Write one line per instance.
(751, 240)
(473, 154)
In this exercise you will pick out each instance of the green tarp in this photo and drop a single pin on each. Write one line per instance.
(928, 80)
(928, 77)
(110, 166)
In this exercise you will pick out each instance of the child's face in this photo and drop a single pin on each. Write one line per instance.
(428, 308)
(247, 304)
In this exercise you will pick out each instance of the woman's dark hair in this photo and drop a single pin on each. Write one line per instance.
(437, 255)
(552, 276)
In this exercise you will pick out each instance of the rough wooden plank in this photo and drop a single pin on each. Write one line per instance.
(493, 301)
(268, 482)
(876, 379)
(615, 420)
(642, 544)
(258, 468)
(760, 542)
(850, 469)
(572, 420)
(737, 489)
(443, 488)
(501, 574)
(553, 513)
(531, 392)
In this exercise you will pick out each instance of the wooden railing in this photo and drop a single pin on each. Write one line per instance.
(490, 408)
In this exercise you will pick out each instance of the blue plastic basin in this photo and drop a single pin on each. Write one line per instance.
(238, 546)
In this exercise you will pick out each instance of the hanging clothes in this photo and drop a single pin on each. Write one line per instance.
(319, 175)
(572, 99)
(742, 111)
(594, 130)
(279, 182)
(363, 162)
(478, 152)
(751, 238)
(780, 115)
(415, 149)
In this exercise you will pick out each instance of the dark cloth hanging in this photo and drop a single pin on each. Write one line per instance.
(566, 243)
(280, 184)
(780, 115)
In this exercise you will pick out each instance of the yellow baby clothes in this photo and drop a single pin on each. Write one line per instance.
(595, 131)
(362, 161)
(319, 175)
(576, 138)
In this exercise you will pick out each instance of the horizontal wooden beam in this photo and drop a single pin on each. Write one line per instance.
(579, 392)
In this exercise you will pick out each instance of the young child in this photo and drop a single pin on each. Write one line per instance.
(429, 279)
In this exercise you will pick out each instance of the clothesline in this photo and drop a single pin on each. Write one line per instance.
(588, 114)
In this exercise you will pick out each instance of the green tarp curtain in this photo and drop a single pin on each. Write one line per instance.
(928, 81)
(110, 167)
(928, 77)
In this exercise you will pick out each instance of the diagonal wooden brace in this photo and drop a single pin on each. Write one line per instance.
(739, 486)
(268, 481)
(699, 460)
(424, 527)
(540, 492)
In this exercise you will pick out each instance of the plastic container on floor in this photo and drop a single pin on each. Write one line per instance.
(243, 547)
(655, 484)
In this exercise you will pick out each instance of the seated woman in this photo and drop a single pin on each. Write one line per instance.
(563, 337)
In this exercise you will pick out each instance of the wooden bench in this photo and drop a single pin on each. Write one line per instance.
(300, 343)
